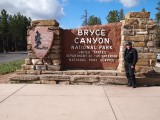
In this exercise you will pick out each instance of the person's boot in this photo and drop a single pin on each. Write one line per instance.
(134, 84)
(129, 83)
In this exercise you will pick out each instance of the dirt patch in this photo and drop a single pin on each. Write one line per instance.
(5, 78)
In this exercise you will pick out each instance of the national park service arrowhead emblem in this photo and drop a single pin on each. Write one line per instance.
(41, 39)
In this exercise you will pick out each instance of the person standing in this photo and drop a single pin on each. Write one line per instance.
(130, 60)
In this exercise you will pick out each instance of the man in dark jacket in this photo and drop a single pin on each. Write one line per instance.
(130, 60)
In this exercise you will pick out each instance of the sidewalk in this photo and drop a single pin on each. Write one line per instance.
(49, 102)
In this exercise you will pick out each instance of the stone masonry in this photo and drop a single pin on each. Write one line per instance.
(141, 31)
(52, 61)
(137, 28)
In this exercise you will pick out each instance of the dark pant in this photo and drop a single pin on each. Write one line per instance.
(130, 74)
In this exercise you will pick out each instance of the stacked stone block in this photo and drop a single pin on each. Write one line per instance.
(141, 31)
(52, 61)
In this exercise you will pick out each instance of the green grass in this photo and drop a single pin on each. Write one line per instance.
(9, 67)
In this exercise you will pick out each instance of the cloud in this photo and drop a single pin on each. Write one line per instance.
(36, 9)
(125, 3)
(129, 3)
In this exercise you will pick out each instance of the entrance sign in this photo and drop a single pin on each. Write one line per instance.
(92, 47)
(41, 39)
(90, 50)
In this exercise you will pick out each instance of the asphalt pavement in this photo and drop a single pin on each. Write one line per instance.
(12, 56)
(53, 102)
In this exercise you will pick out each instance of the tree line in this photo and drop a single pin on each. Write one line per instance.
(13, 31)
(117, 16)
(113, 16)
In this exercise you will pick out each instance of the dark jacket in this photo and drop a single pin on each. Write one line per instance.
(131, 56)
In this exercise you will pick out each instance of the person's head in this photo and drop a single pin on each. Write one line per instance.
(128, 45)
(37, 32)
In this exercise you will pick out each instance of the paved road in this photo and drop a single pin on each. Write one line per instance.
(49, 102)
(6, 57)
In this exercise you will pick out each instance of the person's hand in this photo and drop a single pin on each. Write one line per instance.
(132, 66)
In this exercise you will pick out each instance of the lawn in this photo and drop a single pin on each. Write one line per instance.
(9, 67)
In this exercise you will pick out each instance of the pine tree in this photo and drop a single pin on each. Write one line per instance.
(4, 30)
(85, 18)
(121, 14)
(113, 16)
(94, 20)
(143, 10)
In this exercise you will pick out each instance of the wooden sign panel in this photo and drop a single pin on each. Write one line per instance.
(92, 47)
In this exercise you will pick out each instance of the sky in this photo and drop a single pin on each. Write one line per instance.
(69, 12)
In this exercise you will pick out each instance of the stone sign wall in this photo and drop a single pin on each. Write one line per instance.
(92, 47)
(52, 50)
(141, 31)
(46, 55)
